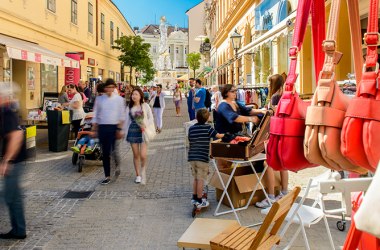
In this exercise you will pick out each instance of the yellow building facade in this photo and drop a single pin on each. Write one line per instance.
(54, 28)
(267, 30)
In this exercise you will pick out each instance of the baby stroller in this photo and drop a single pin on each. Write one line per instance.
(85, 147)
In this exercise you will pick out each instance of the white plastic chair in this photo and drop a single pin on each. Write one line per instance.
(305, 216)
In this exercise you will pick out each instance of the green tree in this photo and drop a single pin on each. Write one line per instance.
(134, 54)
(148, 70)
(194, 61)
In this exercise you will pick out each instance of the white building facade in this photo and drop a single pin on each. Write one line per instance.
(178, 46)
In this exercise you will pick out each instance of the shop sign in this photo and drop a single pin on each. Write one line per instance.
(91, 61)
(81, 54)
(269, 13)
(72, 75)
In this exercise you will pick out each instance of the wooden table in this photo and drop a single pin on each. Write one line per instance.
(201, 231)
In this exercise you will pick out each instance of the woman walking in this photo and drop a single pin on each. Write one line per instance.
(158, 108)
(139, 118)
(177, 99)
(76, 105)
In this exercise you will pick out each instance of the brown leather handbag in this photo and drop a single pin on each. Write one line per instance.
(325, 116)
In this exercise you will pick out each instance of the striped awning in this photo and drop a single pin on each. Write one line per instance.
(27, 51)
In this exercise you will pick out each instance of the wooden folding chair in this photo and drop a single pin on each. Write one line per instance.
(239, 237)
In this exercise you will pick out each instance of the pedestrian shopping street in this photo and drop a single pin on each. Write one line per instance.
(125, 215)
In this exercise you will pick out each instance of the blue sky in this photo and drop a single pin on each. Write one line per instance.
(142, 12)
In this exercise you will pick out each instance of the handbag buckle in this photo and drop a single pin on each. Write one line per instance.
(369, 69)
(328, 73)
(293, 52)
(371, 33)
(329, 46)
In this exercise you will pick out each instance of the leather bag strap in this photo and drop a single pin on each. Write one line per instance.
(318, 23)
(369, 81)
(356, 37)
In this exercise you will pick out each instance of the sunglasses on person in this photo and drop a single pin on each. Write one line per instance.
(233, 91)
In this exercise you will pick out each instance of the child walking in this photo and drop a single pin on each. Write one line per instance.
(198, 156)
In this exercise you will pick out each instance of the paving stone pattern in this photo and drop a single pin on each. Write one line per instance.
(124, 215)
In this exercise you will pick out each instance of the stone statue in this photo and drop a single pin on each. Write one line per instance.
(163, 61)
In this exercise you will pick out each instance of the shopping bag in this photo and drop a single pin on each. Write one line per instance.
(149, 133)
(287, 127)
(360, 132)
(325, 116)
(368, 216)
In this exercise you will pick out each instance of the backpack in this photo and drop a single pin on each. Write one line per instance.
(208, 99)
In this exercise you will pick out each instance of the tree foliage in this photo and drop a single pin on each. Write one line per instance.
(194, 61)
(135, 54)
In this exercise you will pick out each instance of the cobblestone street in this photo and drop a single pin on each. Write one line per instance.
(124, 215)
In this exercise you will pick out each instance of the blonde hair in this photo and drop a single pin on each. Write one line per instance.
(63, 90)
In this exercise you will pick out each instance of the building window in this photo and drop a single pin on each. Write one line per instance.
(111, 74)
(49, 78)
(169, 49)
(90, 18)
(176, 50)
(154, 49)
(185, 50)
(102, 21)
(111, 33)
(51, 5)
(74, 12)
(122, 34)
(117, 77)
(117, 33)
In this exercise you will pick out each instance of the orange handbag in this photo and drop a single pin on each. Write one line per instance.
(324, 118)
(361, 128)
(287, 127)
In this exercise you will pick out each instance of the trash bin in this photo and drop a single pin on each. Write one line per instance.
(58, 131)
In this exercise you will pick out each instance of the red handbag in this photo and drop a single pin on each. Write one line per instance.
(287, 127)
(361, 127)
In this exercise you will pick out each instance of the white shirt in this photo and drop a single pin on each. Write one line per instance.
(78, 113)
(109, 110)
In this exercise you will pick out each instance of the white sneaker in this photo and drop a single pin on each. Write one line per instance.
(265, 203)
(204, 203)
(278, 197)
(138, 179)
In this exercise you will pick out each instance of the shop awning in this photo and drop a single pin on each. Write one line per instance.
(277, 30)
(185, 77)
(27, 51)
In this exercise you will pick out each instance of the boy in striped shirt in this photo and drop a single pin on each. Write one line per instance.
(198, 156)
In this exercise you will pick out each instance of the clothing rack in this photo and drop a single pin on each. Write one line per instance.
(253, 87)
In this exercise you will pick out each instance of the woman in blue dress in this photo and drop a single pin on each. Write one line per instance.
(139, 118)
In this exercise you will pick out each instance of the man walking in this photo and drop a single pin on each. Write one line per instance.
(109, 116)
(13, 162)
(200, 96)
(190, 99)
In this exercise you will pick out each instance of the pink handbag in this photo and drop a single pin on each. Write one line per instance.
(287, 127)
(324, 118)
(361, 128)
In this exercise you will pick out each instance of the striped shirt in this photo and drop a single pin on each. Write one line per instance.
(199, 138)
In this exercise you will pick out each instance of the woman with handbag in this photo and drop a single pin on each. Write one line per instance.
(276, 84)
(139, 128)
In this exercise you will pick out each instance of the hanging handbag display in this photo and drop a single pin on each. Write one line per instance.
(287, 127)
(324, 118)
(360, 132)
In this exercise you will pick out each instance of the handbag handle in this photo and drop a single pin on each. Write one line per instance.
(317, 8)
(369, 80)
(332, 57)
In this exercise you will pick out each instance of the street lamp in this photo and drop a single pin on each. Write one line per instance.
(236, 41)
